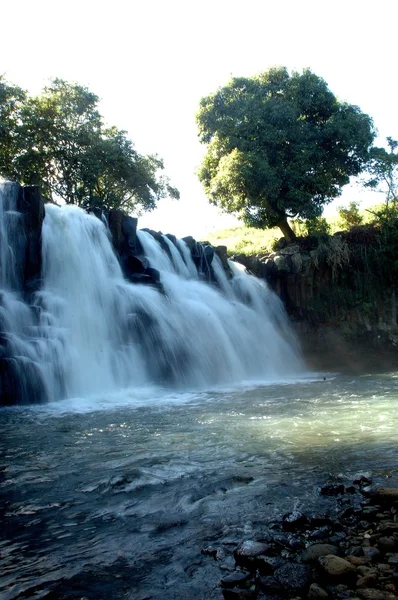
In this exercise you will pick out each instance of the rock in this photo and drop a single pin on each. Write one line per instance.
(235, 579)
(368, 580)
(333, 489)
(317, 593)
(312, 553)
(381, 494)
(294, 520)
(336, 567)
(281, 263)
(289, 250)
(270, 584)
(252, 548)
(357, 561)
(266, 565)
(248, 551)
(297, 263)
(393, 560)
(372, 594)
(237, 594)
(373, 554)
(31, 204)
(387, 544)
(294, 577)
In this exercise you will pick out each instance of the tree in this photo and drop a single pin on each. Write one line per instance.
(382, 171)
(279, 146)
(350, 215)
(58, 140)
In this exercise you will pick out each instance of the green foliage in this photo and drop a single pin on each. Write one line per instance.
(350, 215)
(317, 226)
(382, 170)
(58, 140)
(279, 146)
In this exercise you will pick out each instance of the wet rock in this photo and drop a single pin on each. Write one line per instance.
(320, 520)
(266, 565)
(320, 534)
(387, 544)
(294, 577)
(312, 553)
(294, 520)
(317, 593)
(270, 585)
(248, 551)
(393, 560)
(367, 581)
(373, 554)
(238, 594)
(381, 494)
(235, 579)
(336, 567)
(372, 594)
(333, 489)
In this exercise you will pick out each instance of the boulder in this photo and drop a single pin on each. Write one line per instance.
(335, 567)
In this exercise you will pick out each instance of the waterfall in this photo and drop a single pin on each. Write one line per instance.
(87, 330)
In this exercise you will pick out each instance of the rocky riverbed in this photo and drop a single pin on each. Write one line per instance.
(349, 552)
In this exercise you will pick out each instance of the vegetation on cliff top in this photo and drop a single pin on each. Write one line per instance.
(279, 146)
(58, 140)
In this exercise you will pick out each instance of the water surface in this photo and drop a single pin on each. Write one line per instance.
(114, 496)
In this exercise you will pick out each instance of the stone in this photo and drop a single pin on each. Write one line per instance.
(247, 552)
(373, 554)
(270, 584)
(393, 560)
(317, 593)
(235, 579)
(238, 594)
(372, 594)
(294, 577)
(266, 565)
(31, 204)
(281, 263)
(289, 250)
(333, 489)
(368, 580)
(294, 520)
(336, 567)
(312, 553)
(387, 544)
(297, 263)
(381, 494)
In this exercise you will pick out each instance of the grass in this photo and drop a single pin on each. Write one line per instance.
(251, 241)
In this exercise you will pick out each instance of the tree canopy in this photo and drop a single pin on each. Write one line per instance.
(58, 140)
(278, 146)
(382, 173)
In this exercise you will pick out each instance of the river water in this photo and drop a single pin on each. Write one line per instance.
(114, 496)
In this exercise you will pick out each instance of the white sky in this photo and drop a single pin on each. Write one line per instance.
(151, 61)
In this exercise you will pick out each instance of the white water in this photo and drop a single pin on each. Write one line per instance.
(90, 331)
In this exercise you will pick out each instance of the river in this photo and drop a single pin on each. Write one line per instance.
(113, 496)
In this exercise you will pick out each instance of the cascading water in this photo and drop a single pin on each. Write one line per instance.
(88, 331)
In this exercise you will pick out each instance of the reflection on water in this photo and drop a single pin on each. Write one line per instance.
(114, 497)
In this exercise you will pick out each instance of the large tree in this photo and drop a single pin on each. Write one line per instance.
(279, 146)
(58, 140)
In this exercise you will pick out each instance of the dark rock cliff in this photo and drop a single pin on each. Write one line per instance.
(341, 295)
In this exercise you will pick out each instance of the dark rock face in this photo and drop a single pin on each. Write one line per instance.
(31, 205)
(344, 314)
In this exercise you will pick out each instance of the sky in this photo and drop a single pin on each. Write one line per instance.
(151, 61)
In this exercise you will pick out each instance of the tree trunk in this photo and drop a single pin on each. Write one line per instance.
(286, 230)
